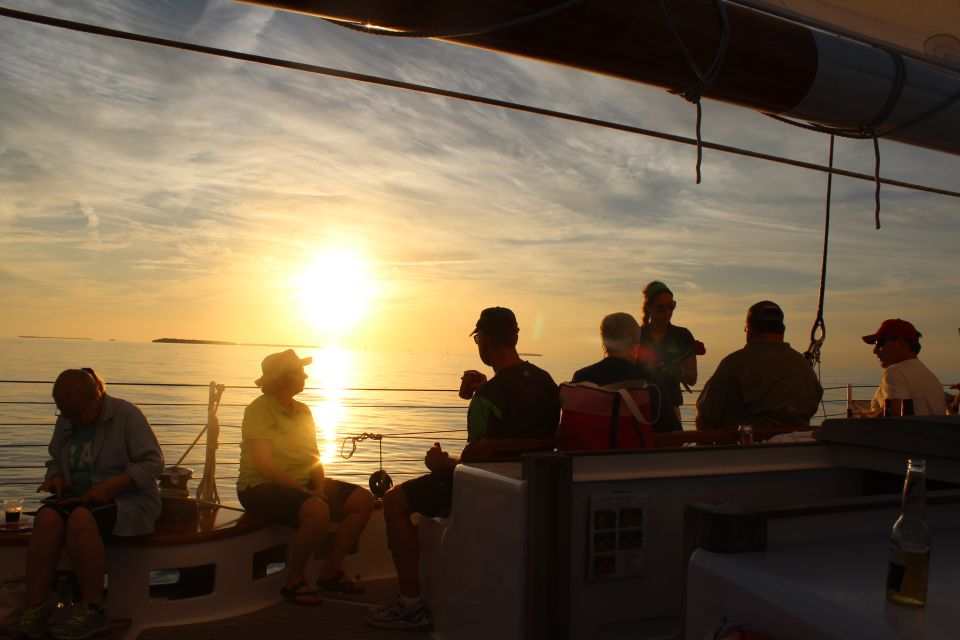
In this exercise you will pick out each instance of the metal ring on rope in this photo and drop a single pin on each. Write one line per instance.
(380, 480)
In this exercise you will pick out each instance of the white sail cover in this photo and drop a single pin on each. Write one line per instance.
(928, 29)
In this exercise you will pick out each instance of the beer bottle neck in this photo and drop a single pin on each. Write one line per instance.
(914, 492)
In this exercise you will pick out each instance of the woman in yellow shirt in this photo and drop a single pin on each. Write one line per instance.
(282, 480)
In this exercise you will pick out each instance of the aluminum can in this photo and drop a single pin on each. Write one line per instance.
(745, 434)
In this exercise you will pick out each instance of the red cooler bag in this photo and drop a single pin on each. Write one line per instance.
(616, 416)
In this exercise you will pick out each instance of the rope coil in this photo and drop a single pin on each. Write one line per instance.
(353, 440)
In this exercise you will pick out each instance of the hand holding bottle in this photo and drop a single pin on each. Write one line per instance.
(470, 381)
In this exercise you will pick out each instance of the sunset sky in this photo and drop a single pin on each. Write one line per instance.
(146, 192)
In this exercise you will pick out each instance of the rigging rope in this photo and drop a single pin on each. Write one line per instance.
(694, 92)
(408, 86)
(207, 488)
(868, 130)
(818, 333)
(871, 129)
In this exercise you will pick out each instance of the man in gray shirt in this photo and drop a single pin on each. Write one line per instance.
(765, 384)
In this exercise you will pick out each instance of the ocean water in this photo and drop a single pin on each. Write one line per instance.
(408, 398)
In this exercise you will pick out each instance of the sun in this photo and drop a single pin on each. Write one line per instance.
(335, 290)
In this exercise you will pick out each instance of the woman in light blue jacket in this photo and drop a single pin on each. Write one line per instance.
(103, 470)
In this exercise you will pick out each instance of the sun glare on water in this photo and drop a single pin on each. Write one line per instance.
(331, 372)
(335, 291)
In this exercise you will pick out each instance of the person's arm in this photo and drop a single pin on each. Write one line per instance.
(54, 467)
(437, 459)
(712, 402)
(688, 372)
(54, 481)
(261, 453)
(104, 491)
(55, 484)
(317, 475)
(876, 406)
(687, 366)
(497, 449)
(142, 464)
(145, 456)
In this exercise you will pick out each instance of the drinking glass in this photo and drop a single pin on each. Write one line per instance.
(11, 509)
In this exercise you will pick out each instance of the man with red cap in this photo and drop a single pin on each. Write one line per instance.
(896, 344)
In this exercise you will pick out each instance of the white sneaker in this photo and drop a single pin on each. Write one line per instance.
(395, 615)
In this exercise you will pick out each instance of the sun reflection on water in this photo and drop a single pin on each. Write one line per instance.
(330, 375)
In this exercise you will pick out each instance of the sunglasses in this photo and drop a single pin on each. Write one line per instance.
(669, 306)
(882, 341)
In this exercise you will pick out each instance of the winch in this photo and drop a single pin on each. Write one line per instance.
(178, 506)
(173, 481)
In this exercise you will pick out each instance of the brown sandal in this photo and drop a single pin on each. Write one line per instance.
(298, 595)
(340, 583)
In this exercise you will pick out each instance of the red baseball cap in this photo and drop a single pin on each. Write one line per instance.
(893, 328)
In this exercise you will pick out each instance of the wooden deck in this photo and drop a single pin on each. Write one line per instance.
(339, 617)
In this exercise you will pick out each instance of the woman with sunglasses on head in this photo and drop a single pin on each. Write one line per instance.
(669, 352)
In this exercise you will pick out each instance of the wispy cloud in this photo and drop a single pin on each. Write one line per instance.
(187, 190)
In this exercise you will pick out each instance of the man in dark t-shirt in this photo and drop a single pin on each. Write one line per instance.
(521, 401)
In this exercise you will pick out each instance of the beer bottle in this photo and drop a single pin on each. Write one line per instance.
(909, 556)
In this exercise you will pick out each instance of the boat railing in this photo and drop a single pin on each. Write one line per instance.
(836, 400)
(177, 412)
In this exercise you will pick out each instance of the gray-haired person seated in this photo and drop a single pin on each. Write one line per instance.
(620, 333)
(103, 469)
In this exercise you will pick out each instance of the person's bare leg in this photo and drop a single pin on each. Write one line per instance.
(87, 554)
(313, 518)
(356, 513)
(43, 554)
(404, 541)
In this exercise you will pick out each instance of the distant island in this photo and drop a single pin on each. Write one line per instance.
(235, 344)
(53, 338)
(191, 341)
(295, 346)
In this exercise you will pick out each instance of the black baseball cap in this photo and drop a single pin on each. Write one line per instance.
(766, 317)
(497, 320)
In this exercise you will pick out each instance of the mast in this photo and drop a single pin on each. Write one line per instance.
(770, 64)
